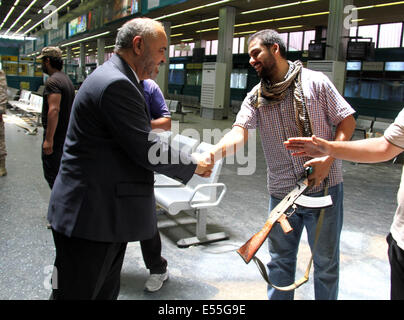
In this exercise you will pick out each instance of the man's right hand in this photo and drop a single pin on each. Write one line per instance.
(205, 163)
(47, 147)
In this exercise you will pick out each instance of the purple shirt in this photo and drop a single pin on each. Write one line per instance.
(155, 100)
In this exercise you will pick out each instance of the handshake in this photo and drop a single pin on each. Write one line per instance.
(205, 162)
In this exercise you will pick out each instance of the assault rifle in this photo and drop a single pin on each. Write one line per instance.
(280, 214)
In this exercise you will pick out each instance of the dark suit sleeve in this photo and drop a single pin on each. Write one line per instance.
(126, 117)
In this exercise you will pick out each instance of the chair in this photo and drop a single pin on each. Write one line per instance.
(194, 198)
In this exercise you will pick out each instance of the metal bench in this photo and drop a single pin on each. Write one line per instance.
(365, 124)
(29, 103)
(194, 198)
(175, 106)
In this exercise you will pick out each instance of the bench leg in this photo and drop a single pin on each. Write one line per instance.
(201, 236)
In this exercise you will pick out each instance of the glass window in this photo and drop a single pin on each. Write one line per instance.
(207, 47)
(194, 77)
(184, 53)
(368, 32)
(177, 53)
(284, 37)
(235, 45)
(238, 79)
(308, 36)
(295, 41)
(176, 76)
(390, 35)
(242, 45)
(214, 47)
(171, 53)
(191, 50)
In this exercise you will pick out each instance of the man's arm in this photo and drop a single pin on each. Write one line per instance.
(366, 151)
(230, 143)
(163, 123)
(322, 165)
(53, 117)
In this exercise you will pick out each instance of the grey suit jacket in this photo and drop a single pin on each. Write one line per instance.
(104, 190)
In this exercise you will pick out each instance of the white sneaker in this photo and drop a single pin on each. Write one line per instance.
(155, 281)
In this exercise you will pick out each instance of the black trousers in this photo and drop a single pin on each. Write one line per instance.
(396, 258)
(151, 251)
(86, 270)
(51, 164)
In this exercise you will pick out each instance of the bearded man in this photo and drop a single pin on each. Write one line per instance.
(58, 98)
(293, 101)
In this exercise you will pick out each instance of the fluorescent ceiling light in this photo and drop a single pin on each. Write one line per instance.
(9, 13)
(45, 6)
(21, 15)
(283, 18)
(17, 37)
(194, 22)
(279, 6)
(207, 30)
(379, 5)
(177, 35)
(244, 32)
(22, 27)
(192, 9)
(50, 14)
(87, 38)
(290, 27)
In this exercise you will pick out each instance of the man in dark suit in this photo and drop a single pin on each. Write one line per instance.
(103, 196)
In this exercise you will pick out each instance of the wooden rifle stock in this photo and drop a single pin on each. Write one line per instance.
(249, 249)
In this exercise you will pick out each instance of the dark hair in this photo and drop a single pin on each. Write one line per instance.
(56, 63)
(268, 38)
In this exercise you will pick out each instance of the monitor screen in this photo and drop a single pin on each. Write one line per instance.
(394, 66)
(359, 50)
(354, 66)
(316, 51)
(77, 25)
(198, 54)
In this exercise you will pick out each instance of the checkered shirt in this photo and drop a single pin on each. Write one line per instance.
(276, 123)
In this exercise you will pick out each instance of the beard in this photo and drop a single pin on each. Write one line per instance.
(268, 68)
(150, 68)
(268, 71)
(44, 70)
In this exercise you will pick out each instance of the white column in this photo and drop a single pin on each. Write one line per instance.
(82, 63)
(338, 28)
(225, 49)
(162, 77)
(100, 51)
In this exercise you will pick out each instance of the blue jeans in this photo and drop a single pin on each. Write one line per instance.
(283, 248)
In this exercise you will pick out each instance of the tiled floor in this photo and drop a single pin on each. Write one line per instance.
(213, 271)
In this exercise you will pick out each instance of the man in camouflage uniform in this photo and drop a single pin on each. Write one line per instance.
(3, 103)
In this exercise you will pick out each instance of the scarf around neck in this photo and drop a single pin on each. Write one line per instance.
(269, 94)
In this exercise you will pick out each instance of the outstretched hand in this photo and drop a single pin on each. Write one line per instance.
(309, 147)
(205, 163)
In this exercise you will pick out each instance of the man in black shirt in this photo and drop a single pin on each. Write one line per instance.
(58, 98)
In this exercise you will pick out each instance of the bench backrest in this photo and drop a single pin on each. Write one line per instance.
(25, 96)
(184, 143)
(12, 93)
(175, 106)
(168, 102)
(214, 177)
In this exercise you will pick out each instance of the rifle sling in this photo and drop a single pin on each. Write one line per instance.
(305, 278)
